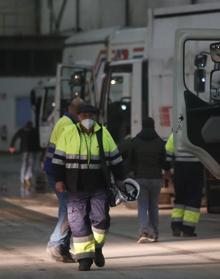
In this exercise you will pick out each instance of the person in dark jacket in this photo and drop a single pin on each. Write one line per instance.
(146, 159)
(28, 146)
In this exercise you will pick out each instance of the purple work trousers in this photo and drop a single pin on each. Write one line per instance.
(87, 210)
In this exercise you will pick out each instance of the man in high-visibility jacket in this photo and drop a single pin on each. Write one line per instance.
(188, 185)
(78, 170)
(59, 244)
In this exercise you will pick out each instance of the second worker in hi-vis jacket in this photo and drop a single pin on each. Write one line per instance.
(188, 185)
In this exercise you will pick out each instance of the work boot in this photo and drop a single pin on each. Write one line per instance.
(85, 264)
(177, 232)
(143, 238)
(67, 256)
(177, 228)
(99, 258)
(27, 188)
(189, 231)
(192, 234)
(152, 238)
(56, 254)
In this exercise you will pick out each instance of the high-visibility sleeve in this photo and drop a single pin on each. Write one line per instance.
(58, 129)
(59, 159)
(170, 148)
(170, 145)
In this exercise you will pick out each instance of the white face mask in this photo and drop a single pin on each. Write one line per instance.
(87, 123)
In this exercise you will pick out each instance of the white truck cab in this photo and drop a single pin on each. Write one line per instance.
(196, 94)
(71, 81)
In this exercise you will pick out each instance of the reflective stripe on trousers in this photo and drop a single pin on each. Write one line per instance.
(177, 213)
(88, 216)
(191, 216)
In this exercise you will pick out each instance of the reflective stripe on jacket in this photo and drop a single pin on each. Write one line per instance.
(178, 156)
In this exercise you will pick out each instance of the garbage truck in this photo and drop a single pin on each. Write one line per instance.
(81, 71)
(136, 88)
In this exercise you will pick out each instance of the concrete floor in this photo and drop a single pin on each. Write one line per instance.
(25, 225)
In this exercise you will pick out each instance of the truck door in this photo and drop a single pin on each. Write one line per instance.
(121, 99)
(197, 96)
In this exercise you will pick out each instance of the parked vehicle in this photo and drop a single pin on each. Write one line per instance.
(197, 103)
(140, 87)
(132, 71)
(81, 73)
(135, 88)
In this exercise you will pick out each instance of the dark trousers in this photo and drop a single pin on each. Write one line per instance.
(188, 185)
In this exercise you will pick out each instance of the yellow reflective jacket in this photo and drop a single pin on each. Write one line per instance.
(58, 129)
(180, 155)
(77, 161)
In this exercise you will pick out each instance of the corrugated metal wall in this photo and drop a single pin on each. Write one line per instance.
(17, 17)
(32, 16)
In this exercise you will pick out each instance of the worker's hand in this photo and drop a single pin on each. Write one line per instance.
(120, 185)
(60, 187)
(11, 149)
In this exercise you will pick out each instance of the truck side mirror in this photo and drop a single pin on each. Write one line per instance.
(215, 52)
(199, 80)
(200, 60)
(215, 85)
